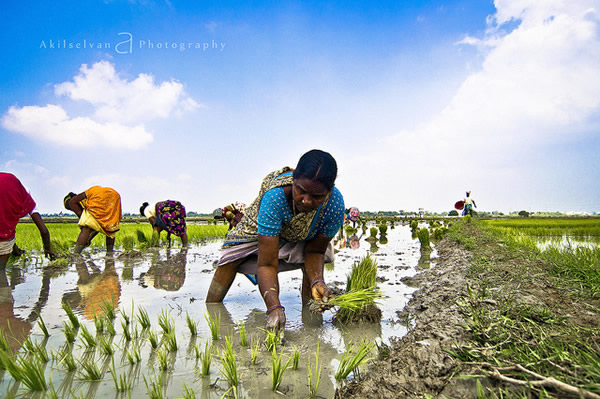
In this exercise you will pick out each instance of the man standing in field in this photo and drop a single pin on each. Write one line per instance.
(15, 203)
(469, 204)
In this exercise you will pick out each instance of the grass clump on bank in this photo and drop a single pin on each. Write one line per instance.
(532, 316)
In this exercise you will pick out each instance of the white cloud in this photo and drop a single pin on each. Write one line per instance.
(119, 100)
(538, 85)
(120, 108)
(51, 123)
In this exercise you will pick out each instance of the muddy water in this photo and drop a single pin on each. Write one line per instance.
(174, 282)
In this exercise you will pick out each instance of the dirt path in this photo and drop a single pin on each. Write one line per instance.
(417, 365)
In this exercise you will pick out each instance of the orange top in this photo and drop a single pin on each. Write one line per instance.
(104, 204)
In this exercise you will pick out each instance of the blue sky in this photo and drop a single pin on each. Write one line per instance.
(197, 101)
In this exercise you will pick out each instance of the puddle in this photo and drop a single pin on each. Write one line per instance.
(176, 281)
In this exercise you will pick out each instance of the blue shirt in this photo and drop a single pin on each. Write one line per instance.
(274, 211)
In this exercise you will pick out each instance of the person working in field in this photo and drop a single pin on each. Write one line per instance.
(469, 204)
(99, 211)
(288, 226)
(166, 215)
(15, 203)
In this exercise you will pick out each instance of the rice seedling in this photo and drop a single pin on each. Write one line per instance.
(88, 339)
(29, 346)
(163, 359)
(165, 322)
(128, 242)
(141, 237)
(110, 328)
(206, 358)
(254, 346)
(99, 324)
(192, 325)
(214, 324)
(105, 345)
(382, 229)
(278, 369)
(229, 368)
(4, 346)
(67, 360)
(122, 382)
(356, 300)
(373, 231)
(350, 362)
(295, 358)
(89, 370)
(314, 378)
(188, 392)
(70, 314)
(42, 325)
(32, 373)
(272, 339)
(133, 354)
(153, 339)
(126, 332)
(108, 308)
(363, 274)
(423, 236)
(154, 387)
(242, 332)
(171, 341)
(143, 318)
(126, 318)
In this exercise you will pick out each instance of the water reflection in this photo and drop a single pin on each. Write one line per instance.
(95, 286)
(166, 274)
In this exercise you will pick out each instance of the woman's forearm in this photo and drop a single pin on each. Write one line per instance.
(268, 284)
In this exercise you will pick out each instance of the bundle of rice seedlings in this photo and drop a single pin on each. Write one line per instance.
(359, 302)
(423, 236)
(373, 231)
(383, 228)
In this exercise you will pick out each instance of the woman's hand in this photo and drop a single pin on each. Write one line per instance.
(320, 293)
(276, 319)
(50, 254)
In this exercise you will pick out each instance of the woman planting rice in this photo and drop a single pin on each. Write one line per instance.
(99, 211)
(166, 215)
(288, 226)
(15, 203)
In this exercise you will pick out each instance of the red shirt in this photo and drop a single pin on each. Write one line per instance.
(15, 202)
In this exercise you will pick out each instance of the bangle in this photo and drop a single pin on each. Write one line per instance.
(315, 282)
(272, 308)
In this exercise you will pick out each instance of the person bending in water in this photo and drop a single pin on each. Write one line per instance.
(288, 226)
(15, 203)
(99, 211)
(166, 215)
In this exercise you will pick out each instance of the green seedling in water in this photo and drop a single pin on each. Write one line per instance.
(99, 324)
(163, 359)
(242, 332)
(70, 314)
(165, 322)
(314, 378)
(89, 370)
(188, 392)
(349, 363)
(254, 346)
(295, 358)
(31, 371)
(278, 369)
(423, 236)
(171, 341)
(192, 325)
(122, 382)
(126, 318)
(69, 332)
(143, 318)
(154, 387)
(4, 346)
(272, 339)
(105, 345)
(214, 324)
(108, 308)
(229, 367)
(206, 358)
(67, 360)
(110, 328)
(42, 325)
(88, 339)
(153, 339)
(133, 354)
(126, 332)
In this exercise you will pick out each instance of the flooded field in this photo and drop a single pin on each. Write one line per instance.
(170, 285)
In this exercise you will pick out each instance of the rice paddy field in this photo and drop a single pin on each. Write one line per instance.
(134, 323)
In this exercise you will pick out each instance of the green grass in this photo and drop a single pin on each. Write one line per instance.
(350, 361)
(131, 235)
(550, 226)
